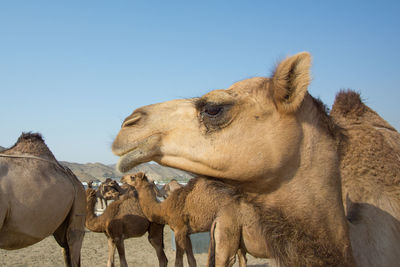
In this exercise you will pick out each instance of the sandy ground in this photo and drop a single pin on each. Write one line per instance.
(94, 253)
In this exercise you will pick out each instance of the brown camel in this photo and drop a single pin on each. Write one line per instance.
(123, 219)
(52, 200)
(274, 141)
(370, 169)
(185, 210)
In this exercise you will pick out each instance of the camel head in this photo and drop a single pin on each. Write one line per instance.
(126, 178)
(249, 131)
(137, 180)
(90, 184)
(111, 194)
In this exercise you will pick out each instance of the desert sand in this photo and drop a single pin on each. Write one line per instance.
(139, 252)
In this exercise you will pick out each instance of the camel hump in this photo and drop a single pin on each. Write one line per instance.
(31, 143)
(348, 103)
(349, 108)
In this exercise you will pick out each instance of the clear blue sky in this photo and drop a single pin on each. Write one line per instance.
(73, 70)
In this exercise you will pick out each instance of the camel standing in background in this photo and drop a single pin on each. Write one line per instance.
(186, 211)
(52, 200)
(273, 140)
(370, 169)
(123, 219)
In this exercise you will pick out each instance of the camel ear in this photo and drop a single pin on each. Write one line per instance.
(290, 81)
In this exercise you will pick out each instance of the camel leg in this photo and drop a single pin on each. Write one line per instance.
(189, 252)
(76, 227)
(242, 257)
(111, 252)
(226, 241)
(75, 239)
(156, 239)
(61, 238)
(180, 242)
(70, 241)
(121, 252)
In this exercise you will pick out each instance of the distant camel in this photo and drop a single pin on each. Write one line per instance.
(39, 197)
(123, 219)
(185, 210)
(271, 139)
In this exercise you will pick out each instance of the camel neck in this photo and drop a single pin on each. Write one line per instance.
(151, 208)
(93, 223)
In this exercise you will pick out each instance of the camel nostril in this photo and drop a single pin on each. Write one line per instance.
(131, 121)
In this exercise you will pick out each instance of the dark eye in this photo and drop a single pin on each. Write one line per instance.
(212, 110)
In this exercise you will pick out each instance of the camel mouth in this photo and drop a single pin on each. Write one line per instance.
(143, 152)
(130, 160)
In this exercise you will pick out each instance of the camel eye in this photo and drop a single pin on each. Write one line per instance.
(212, 111)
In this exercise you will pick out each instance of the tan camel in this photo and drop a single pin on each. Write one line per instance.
(273, 140)
(123, 219)
(370, 169)
(52, 200)
(185, 210)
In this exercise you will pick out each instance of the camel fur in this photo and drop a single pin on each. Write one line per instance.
(39, 197)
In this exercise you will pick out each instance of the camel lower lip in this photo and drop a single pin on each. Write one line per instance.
(145, 151)
(129, 160)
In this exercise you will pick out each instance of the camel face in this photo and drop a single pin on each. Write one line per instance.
(136, 180)
(248, 131)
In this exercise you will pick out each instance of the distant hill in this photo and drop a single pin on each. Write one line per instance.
(100, 172)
